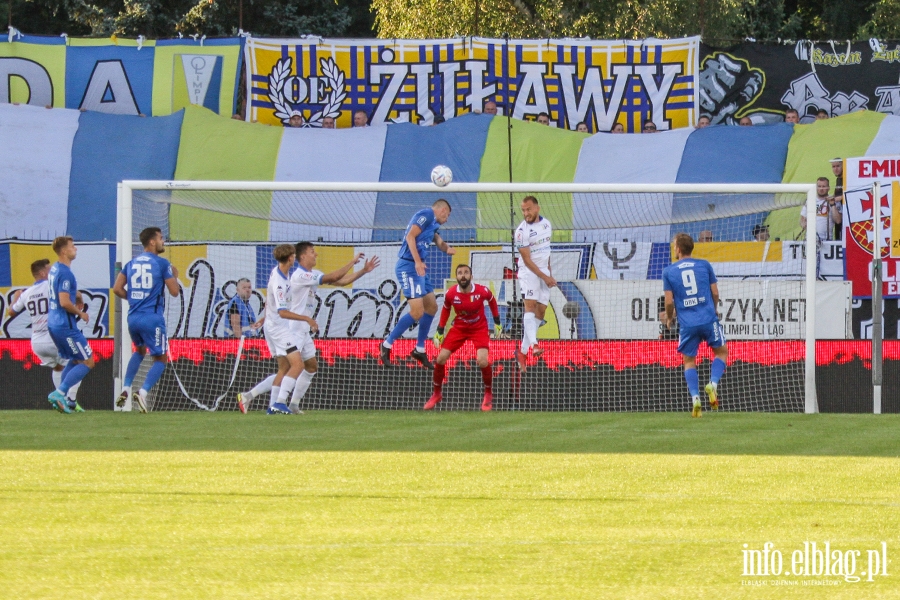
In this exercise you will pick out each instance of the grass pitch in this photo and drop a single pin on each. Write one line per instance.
(453, 505)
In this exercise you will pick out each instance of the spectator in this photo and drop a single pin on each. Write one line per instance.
(360, 118)
(761, 232)
(296, 119)
(745, 122)
(240, 320)
(649, 127)
(705, 236)
(837, 168)
(438, 119)
(543, 118)
(618, 128)
(327, 122)
(821, 114)
(792, 116)
(828, 212)
(490, 108)
(582, 127)
(703, 121)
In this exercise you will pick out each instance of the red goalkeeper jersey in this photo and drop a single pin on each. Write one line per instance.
(469, 307)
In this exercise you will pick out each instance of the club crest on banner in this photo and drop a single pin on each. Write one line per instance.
(286, 91)
(860, 205)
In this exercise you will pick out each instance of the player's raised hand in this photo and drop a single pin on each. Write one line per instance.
(438, 338)
(359, 256)
(498, 331)
(371, 264)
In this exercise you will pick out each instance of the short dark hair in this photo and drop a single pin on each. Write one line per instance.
(543, 114)
(302, 247)
(825, 179)
(707, 117)
(39, 264)
(241, 280)
(438, 119)
(530, 199)
(148, 234)
(791, 110)
(440, 201)
(759, 228)
(461, 265)
(685, 243)
(283, 252)
(822, 111)
(649, 122)
(61, 242)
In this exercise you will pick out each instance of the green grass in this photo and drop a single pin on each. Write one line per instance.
(455, 505)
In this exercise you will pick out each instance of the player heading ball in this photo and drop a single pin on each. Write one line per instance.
(421, 233)
(693, 294)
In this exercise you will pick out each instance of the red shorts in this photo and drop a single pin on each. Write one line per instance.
(457, 336)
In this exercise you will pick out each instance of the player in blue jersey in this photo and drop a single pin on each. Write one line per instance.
(421, 233)
(143, 282)
(692, 292)
(62, 323)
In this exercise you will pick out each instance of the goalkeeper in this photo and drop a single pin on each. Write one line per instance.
(467, 299)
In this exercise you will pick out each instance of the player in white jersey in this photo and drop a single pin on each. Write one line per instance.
(297, 340)
(36, 300)
(532, 241)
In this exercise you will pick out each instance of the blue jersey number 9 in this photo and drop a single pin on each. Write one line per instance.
(142, 277)
(689, 281)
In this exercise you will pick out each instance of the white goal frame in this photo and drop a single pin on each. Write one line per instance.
(124, 228)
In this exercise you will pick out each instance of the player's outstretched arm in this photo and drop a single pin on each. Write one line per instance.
(346, 278)
(443, 246)
(15, 308)
(119, 286)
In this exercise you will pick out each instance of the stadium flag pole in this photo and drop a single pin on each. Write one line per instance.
(811, 404)
(876, 300)
(122, 339)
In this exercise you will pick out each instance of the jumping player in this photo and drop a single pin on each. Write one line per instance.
(143, 282)
(421, 232)
(691, 290)
(36, 300)
(62, 323)
(467, 299)
(532, 240)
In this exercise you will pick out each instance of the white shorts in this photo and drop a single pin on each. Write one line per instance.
(533, 287)
(281, 343)
(46, 350)
(303, 341)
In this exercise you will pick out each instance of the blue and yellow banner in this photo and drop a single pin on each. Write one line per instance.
(120, 76)
(599, 83)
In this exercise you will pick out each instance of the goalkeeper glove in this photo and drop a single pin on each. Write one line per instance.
(498, 330)
(438, 338)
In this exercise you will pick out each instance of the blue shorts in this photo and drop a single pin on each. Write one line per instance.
(149, 331)
(70, 343)
(411, 283)
(690, 337)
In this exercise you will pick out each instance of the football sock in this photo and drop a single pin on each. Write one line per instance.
(424, 328)
(303, 383)
(73, 391)
(153, 375)
(263, 386)
(405, 322)
(487, 376)
(65, 372)
(718, 367)
(131, 370)
(438, 378)
(273, 395)
(75, 375)
(529, 325)
(693, 382)
(287, 386)
(57, 378)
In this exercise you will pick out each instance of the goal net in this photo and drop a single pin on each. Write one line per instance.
(604, 346)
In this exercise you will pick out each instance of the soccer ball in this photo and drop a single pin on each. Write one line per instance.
(441, 175)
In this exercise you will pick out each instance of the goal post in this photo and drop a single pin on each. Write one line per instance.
(600, 356)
